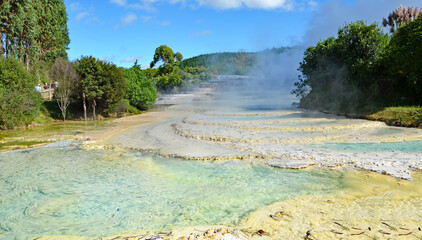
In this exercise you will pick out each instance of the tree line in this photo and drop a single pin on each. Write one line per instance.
(33, 30)
(33, 43)
(363, 69)
(228, 63)
(89, 84)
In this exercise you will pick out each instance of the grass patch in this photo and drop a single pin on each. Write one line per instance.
(42, 118)
(399, 116)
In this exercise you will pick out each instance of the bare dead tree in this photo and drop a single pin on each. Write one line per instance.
(65, 74)
(401, 16)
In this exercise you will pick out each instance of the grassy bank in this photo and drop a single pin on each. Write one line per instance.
(399, 116)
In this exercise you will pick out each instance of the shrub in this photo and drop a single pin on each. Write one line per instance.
(140, 91)
(19, 102)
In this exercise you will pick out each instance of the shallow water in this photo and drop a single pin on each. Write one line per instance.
(410, 146)
(62, 189)
(56, 131)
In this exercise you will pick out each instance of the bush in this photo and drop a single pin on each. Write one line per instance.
(19, 102)
(169, 80)
(140, 91)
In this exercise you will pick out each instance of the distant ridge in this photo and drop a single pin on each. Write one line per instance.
(237, 63)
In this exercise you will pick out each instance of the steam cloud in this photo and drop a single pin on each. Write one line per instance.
(273, 74)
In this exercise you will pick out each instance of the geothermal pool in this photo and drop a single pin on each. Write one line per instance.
(206, 160)
(63, 189)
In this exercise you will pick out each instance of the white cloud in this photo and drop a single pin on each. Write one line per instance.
(119, 2)
(146, 18)
(312, 3)
(81, 15)
(75, 6)
(203, 33)
(165, 23)
(218, 4)
(93, 19)
(140, 5)
(127, 20)
(257, 4)
(129, 59)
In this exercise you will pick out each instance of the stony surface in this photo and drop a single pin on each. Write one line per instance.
(291, 164)
(282, 138)
(210, 234)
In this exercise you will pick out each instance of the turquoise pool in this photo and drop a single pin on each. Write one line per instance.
(63, 189)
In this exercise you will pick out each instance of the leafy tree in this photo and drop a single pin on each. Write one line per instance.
(20, 30)
(136, 64)
(90, 70)
(33, 30)
(404, 61)
(113, 87)
(19, 102)
(360, 47)
(400, 16)
(169, 80)
(140, 91)
(341, 70)
(168, 72)
(317, 67)
(150, 73)
(168, 58)
(102, 83)
(192, 75)
(65, 74)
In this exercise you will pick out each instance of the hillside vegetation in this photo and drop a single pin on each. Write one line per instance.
(364, 70)
(228, 63)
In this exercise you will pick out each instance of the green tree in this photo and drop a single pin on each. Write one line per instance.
(317, 65)
(33, 30)
(167, 57)
(90, 70)
(53, 37)
(65, 74)
(102, 83)
(113, 87)
(342, 70)
(150, 73)
(169, 80)
(360, 47)
(168, 72)
(140, 91)
(19, 102)
(404, 61)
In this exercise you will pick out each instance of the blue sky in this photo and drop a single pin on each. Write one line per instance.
(121, 31)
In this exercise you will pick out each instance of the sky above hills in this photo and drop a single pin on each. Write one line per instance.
(122, 31)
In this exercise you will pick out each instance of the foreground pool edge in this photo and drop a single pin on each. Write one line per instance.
(393, 212)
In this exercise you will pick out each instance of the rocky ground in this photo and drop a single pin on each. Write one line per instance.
(285, 138)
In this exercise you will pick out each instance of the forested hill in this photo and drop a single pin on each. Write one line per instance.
(238, 63)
